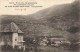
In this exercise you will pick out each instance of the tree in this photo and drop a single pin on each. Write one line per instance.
(73, 37)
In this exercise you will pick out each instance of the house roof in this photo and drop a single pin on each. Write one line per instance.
(12, 27)
(56, 36)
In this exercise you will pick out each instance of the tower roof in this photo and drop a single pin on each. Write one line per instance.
(12, 27)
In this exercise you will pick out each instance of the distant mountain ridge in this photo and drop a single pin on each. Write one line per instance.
(51, 21)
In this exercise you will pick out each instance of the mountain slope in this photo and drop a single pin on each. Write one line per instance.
(51, 21)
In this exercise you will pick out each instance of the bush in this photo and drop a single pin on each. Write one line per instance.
(6, 47)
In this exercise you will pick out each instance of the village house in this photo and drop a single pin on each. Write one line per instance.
(43, 40)
(54, 40)
(11, 35)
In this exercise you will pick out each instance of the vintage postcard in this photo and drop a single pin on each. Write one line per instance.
(39, 26)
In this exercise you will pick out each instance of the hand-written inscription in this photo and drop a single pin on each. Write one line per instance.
(24, 9)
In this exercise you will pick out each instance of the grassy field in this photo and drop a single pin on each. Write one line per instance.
(43, 49)
(54, 49)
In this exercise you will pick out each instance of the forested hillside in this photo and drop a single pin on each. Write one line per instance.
(54, 20)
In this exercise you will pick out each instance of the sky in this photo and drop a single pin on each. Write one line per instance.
(28, 10)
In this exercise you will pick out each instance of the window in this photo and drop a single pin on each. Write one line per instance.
(16, 39)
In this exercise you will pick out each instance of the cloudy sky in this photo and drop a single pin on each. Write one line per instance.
(28, 10)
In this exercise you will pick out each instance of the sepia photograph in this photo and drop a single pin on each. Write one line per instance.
(39, 26)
